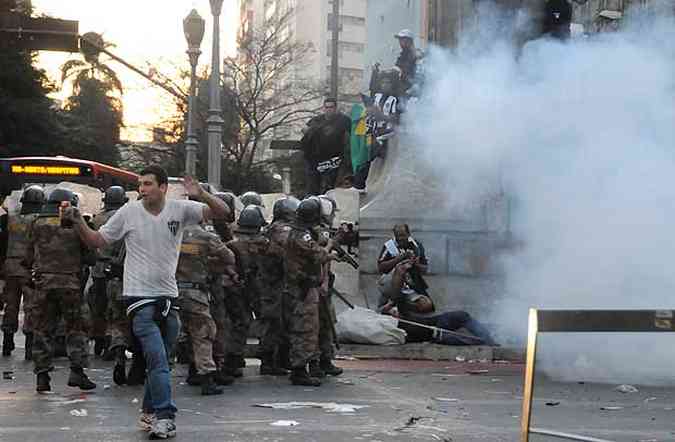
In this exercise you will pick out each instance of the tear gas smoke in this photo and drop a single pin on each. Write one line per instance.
(581, 136)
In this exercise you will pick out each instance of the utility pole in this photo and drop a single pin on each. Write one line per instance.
(335, 39)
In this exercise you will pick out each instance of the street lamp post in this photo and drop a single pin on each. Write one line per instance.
(215, 120)
(193, 27)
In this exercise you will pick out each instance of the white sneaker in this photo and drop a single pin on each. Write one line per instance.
(163, 429)
(145, 421)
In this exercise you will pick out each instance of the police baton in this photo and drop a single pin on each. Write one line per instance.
(333, 291)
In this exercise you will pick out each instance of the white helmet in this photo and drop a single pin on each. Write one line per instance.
(405, 33)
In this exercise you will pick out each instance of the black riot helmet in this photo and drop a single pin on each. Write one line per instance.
(284, 208)
(251, 198)
(228, 198)
(114, 198)
(32, 199)
(251, 219)
(56, 197)
(309, 211)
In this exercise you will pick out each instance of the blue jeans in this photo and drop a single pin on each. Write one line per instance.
(156, 346)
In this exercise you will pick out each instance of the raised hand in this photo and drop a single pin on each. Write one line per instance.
(192, 188)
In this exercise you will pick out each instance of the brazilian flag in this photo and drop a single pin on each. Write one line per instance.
(359, 142)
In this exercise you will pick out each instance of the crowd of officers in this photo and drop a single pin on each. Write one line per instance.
(228, 273)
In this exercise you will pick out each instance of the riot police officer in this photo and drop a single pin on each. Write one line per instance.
(17, 277)
(240, 301)
(251, 198)
(192, 276)
(107, 275)
(223, 276)
(273, 308)
(58, 255)
(304, 261)
(321, 233)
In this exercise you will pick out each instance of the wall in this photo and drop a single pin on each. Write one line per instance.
(446, 20)
(462, 242)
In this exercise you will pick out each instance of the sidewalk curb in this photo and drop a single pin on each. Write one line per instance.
(420, 351)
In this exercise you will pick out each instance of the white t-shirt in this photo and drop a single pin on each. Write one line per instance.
(152, 243)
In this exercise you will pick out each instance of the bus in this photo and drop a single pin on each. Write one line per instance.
(87, 178)
(15, 173)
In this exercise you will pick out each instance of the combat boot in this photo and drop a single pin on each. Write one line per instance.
(8, 344)
(269, 367)
(28, 354)
(120, 369)
(223, 378)
(192, 377)
(329, 368)
(77, 378)
(299, 376)
(43, 382)
(315, 370)
(209, 387)
(136, 374)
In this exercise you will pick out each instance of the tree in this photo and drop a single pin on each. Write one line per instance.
(95, 101)
(30, 123)
(267, 93)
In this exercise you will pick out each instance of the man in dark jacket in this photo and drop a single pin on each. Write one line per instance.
(324, 143)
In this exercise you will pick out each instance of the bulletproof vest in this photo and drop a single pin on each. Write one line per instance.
(217, 263)
(193, 262)
(17, 240)
(248, 250)
(57, 250)
(272, 263)
(278, 233)
(302, 252)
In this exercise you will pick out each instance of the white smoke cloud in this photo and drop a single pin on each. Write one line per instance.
(582, 136)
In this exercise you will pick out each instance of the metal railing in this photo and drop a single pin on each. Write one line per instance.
(582, 321)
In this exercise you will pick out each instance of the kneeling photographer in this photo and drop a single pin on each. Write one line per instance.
(404, 294)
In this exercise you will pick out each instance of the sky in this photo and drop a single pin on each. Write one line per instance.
(143, 31)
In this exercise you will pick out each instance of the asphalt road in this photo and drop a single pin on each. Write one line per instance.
(402, 401)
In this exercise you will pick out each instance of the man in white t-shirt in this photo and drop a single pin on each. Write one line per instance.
(152, 230)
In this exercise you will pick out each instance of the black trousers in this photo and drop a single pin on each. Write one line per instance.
(318, 183)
